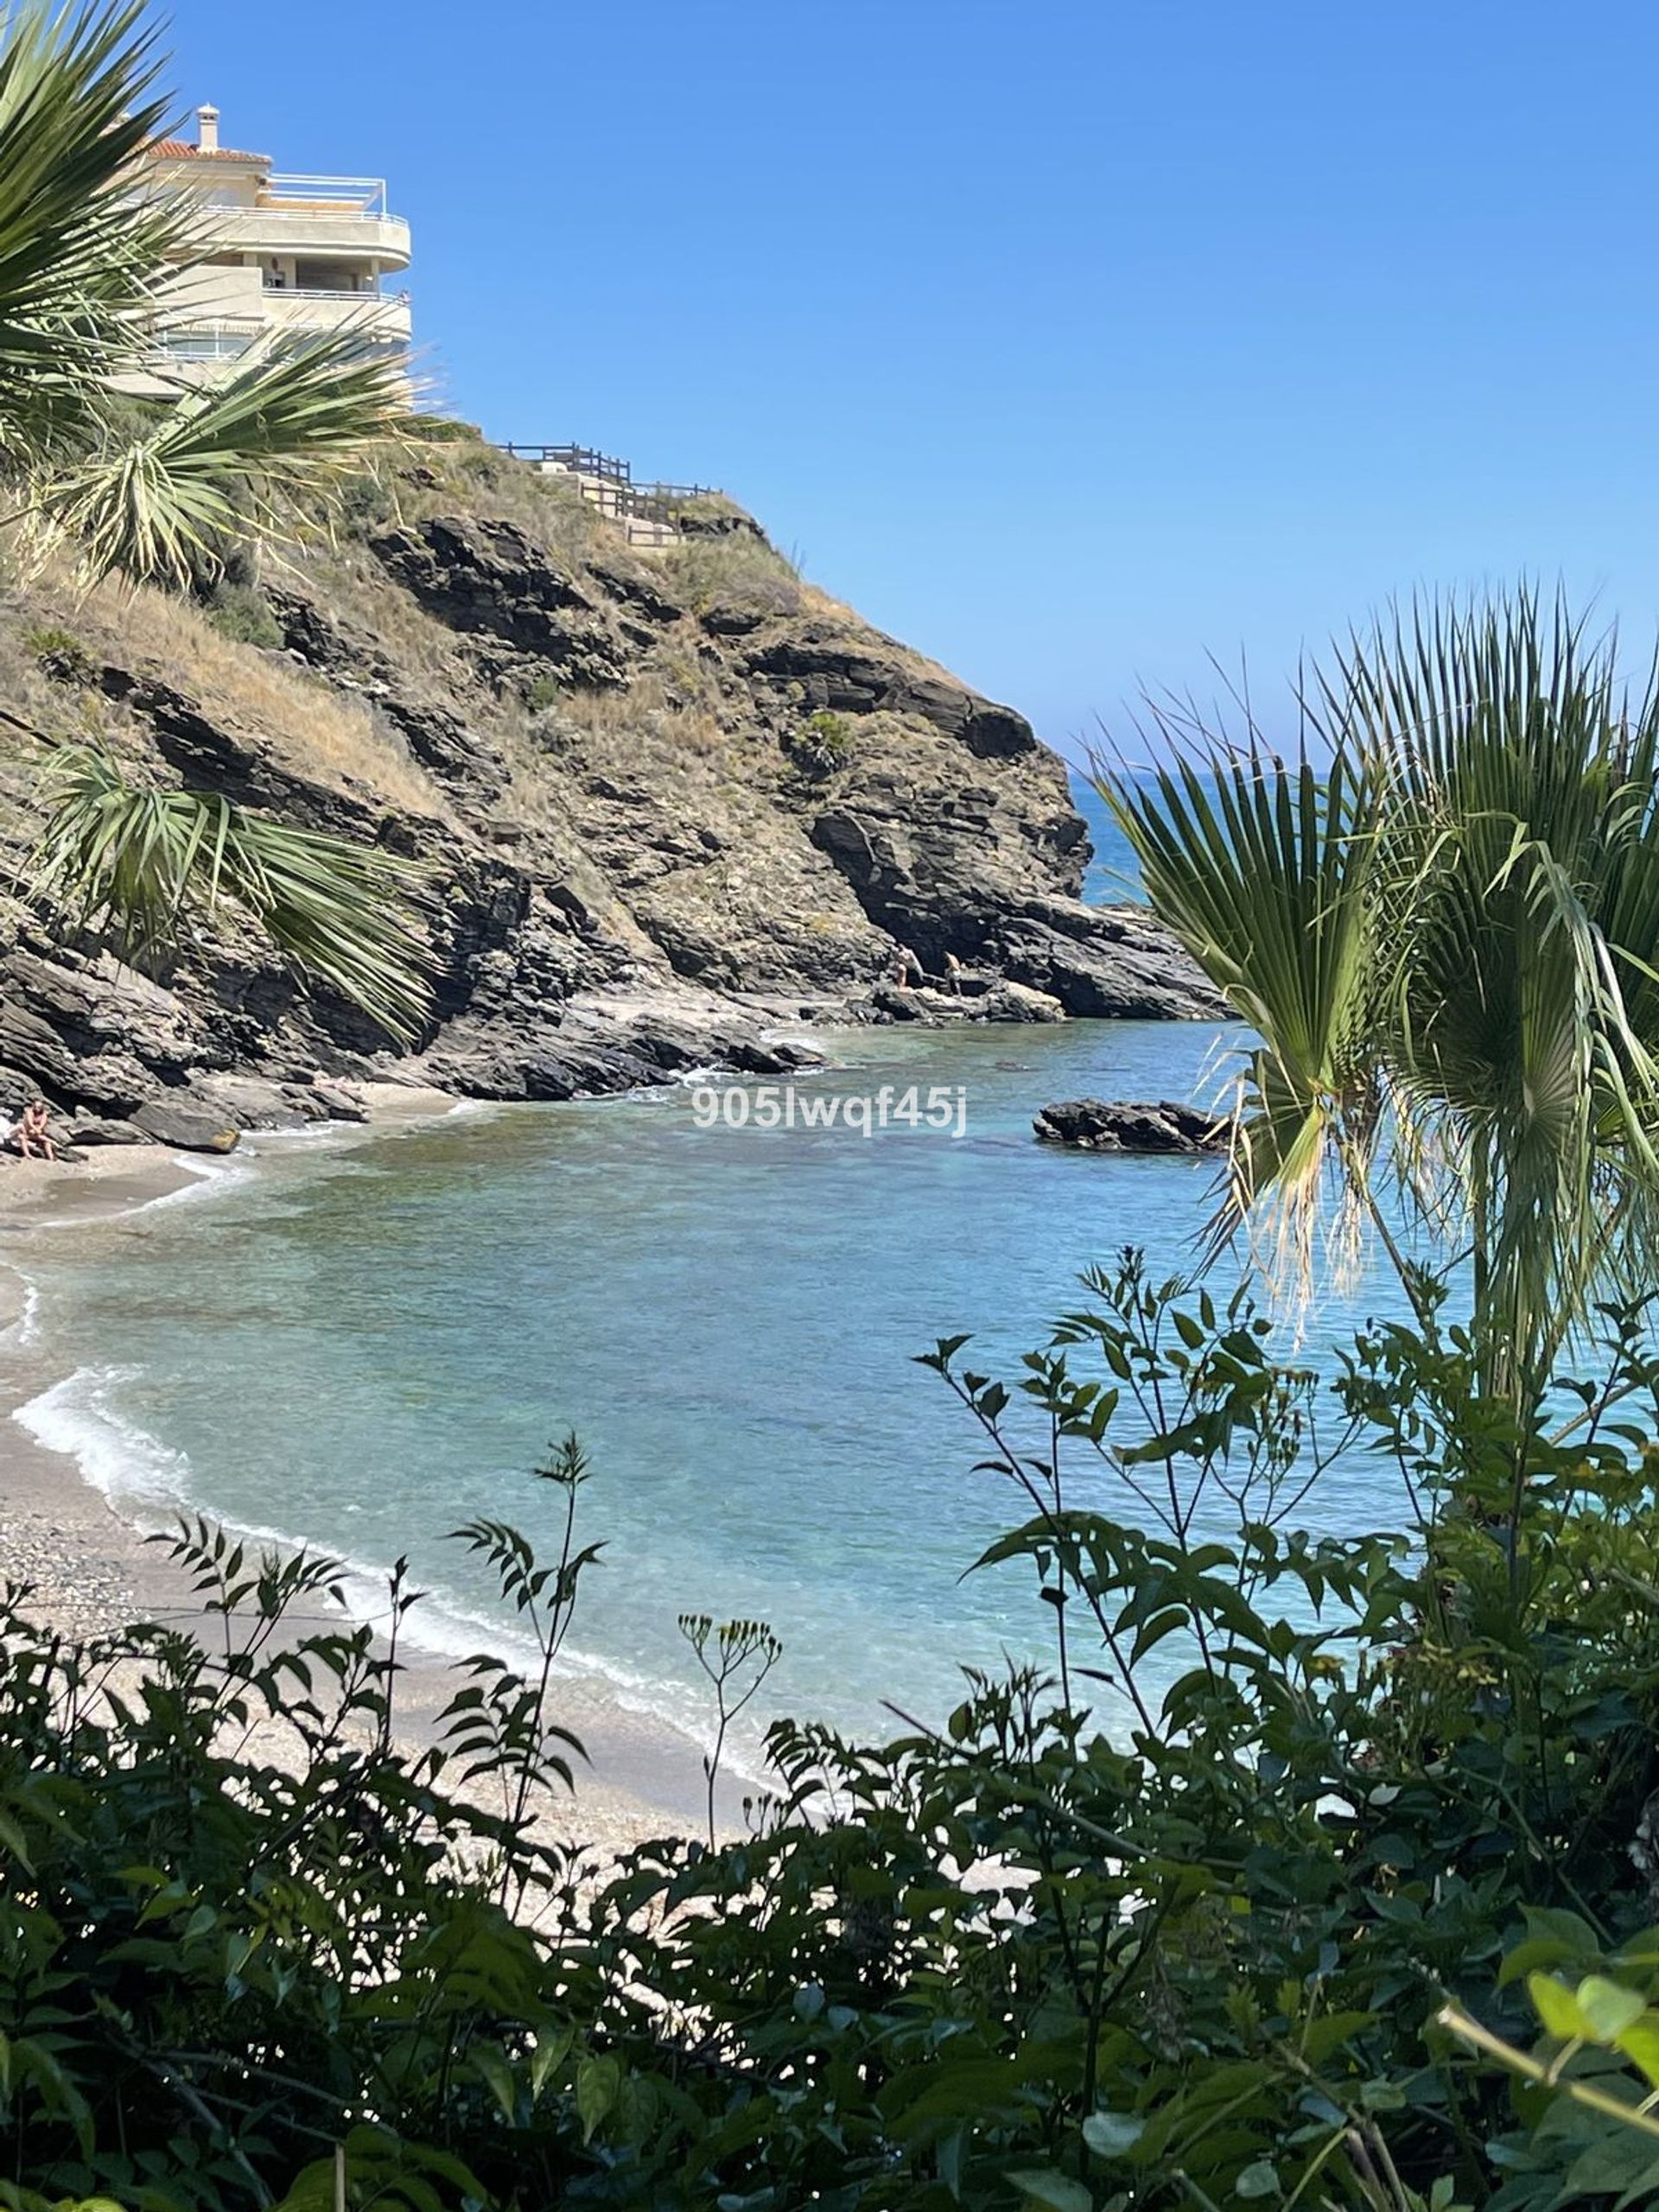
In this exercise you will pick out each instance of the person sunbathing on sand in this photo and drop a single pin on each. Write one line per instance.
(32, 1135)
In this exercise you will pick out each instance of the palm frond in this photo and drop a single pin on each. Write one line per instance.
(1514, 748)
(1263, 871)
(230, 459)
(144, 865)
(1447, 943)
(80, 251)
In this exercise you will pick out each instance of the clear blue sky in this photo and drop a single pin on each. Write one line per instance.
(1072, 340)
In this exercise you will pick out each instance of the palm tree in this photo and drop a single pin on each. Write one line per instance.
(160, 490)
(1440, 919)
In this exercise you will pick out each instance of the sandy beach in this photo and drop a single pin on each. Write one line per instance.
(92, 1571)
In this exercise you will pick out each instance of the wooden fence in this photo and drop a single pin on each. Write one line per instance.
(615, 493)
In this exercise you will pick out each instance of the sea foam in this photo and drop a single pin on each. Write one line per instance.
(25, 1331)
(123, 1462)
(149, 1481)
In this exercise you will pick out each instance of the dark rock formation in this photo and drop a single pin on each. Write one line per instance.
(186, 1130)
(1113, 962)
(1097, 1125)
(816, 662)
(97, 1133)
(484, 576)
(661, 811)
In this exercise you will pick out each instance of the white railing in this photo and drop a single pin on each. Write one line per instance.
(330, 292)
(375, 312)
(207, 341)
(221, 339)
(314, 233)
(361, 195)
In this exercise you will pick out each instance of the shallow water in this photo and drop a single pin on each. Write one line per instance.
(363, 1345)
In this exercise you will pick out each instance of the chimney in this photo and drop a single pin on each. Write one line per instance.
(207, 129)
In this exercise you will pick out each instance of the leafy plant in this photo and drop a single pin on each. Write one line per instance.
(501, 1729)
(61, 653)
(1589, 2094)
(743, 1654)
(823, 743)
(1243, 1904)
(229, 460)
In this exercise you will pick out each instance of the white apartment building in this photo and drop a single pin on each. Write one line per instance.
(274, 252)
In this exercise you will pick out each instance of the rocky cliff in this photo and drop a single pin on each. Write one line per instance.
(670, 805)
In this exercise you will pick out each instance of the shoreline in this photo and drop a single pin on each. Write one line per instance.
(95, 1570)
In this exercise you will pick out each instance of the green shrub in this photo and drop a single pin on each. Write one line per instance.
(61, 654)
(1189, 1919)
(541, 691)
(242, 611)
(823, 743)
(443, 430)
(363, 502)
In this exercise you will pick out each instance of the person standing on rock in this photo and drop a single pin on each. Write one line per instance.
(953, 974)
(907, 969)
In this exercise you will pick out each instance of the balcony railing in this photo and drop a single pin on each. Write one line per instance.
(226, 340)
(207, 341)
(334, 292)
(338, 195)
(315, 230)
(374, 314)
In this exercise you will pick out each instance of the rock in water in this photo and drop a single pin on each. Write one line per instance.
(1019, 1002)
(1097, 1125)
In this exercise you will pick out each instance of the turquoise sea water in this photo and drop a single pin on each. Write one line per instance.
(361, 1345)
(1112, 874)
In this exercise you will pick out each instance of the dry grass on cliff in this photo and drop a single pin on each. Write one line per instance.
(42, 706)
(350, 582)
(821, 604)
(316, 731)
(675, 717)
(736, 567)
(481, 480)
(818, 601)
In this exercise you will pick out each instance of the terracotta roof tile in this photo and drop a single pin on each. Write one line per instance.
(181, 149)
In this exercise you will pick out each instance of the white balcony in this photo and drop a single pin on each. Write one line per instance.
(265, 254)
(201, 351)
(381, 314)
(384, 317)
(312, 228)
(211, 293)
(188, 345)
(363, 195)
